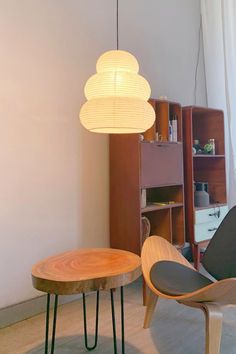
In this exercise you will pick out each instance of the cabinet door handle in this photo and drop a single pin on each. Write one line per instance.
(213, 229)
(216, 213)
(164, 145)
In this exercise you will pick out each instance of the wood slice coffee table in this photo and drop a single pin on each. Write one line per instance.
(85, 270)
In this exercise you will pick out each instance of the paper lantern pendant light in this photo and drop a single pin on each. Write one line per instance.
(117, 96)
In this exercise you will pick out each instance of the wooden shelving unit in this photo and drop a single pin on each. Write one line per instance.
(142, 162)
(203, 124)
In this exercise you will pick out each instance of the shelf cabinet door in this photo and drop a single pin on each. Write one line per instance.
(161, 164)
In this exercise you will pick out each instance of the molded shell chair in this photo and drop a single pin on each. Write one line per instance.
(169, 275)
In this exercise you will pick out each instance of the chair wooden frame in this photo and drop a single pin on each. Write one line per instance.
(209, 299)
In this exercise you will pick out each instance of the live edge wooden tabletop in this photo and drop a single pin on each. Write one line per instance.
(85, 270)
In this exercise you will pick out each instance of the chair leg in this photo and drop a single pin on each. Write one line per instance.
(151, 304)
(213, 316)
(144, 293)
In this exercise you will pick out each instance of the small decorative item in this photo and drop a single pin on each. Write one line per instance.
(170, 131)
(160, 137)
(201, 195)
(146, 228)
(174, 128)
(143, 198)
(141, 137)
(197, 147)
(209, 148)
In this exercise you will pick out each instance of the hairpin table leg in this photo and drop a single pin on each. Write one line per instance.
(114, 321)
(47, 324)
(122, 319)
(85, 323)
(54, 324)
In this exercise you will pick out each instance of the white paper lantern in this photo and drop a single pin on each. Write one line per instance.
(117, 96)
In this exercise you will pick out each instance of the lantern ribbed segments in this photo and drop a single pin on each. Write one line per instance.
(117, 96)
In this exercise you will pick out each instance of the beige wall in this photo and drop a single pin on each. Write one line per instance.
(54, 174)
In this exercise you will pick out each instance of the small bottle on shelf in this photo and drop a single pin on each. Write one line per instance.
(213, 147)
(174, 128)
(170, 131)
(143, 198)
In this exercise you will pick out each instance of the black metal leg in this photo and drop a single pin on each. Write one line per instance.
(122, 319)
(47, 324)
(113, 321)
(85, 324)
(54, 324)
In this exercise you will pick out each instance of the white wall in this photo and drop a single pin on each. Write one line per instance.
(163, 34)
(54, 174)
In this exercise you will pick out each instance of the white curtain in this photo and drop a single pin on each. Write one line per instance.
(219, 41)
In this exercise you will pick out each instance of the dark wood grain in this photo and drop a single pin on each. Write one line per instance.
(188, 173)
(161, 223)
(161, 164)
(125, 214)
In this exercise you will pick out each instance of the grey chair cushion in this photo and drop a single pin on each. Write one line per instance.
(175, 279)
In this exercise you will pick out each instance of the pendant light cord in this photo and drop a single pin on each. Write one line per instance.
(117, 24)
